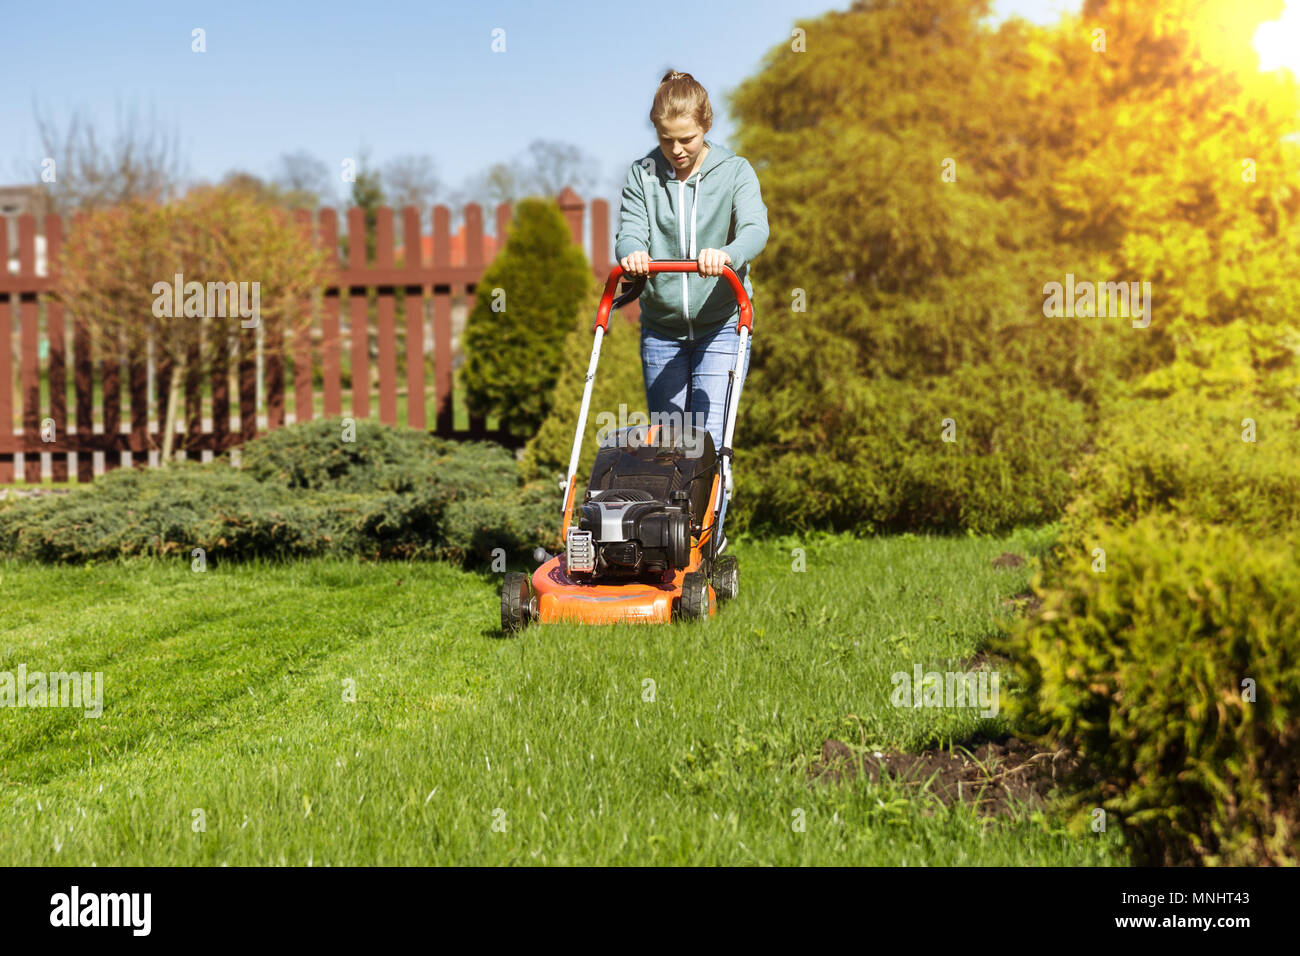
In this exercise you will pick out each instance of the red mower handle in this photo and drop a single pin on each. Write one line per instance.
(607, 301)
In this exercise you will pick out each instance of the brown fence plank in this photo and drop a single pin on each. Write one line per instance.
(415, 397)
(600, 238)
(442, 405)
(220, 399)
(414, 321)
(29, 343)
(358, 327)
(193, 403)
(58, 376)
(331, 344)
(31, 387)
(13, 284)
(474, 236)
(385, 320)
(444, 413)
(387, 358)
(384, 256)
(474, 260)
(304, 400)
(139, 385)
(273, 340)
(123, 442)
(398, 277)
(331, 349)
(83, 382)
(503, 224)
(571, 207)
(6, 363)
(303, 410)
(247, 383)
(360, 335)
(112, 387)
(163, 390)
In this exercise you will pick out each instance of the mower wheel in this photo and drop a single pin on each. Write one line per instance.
(515, 602)
(726, 577)
(694, 602)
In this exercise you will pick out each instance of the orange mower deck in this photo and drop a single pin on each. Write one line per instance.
(560, 599)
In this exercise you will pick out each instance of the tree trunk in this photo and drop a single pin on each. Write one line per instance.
(169, 426)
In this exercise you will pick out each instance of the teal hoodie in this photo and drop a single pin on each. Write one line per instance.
(719, 207)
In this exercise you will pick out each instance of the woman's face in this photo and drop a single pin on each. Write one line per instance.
(681, 141)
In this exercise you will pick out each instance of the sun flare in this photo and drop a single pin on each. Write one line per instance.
(1278, 41)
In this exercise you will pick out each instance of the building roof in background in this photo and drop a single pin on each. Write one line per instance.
(457, 244)
(14, 202)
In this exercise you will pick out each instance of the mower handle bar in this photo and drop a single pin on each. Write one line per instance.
(608, 300)
(744, 328)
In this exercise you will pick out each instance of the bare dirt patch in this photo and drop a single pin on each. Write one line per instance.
(1026, 602)
(985, 660)
(997, 778)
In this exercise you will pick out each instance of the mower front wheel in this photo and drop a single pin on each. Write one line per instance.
(516, 602)
(694, 602)
(726, 577)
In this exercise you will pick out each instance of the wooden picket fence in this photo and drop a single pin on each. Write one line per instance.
(43, 355)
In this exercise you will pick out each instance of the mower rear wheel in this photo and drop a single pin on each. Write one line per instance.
(726, 577)
(516, 602)
(694, 602)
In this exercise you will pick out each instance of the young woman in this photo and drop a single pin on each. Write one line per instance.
(690, 198)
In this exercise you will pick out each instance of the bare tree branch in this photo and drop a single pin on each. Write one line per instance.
(545, 170)
(552, 165)
(302, 174)
(412, 180)
(142, 160)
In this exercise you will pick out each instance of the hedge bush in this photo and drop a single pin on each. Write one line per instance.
(1140, 670)
(392, 493)
(345, 454)
(878, 461)
(128, 512)
(1187, 455)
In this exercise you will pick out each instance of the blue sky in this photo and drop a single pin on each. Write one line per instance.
(396, 78)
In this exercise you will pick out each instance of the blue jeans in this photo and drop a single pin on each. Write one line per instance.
(690, 378)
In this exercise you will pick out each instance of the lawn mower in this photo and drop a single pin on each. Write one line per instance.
(642, 545)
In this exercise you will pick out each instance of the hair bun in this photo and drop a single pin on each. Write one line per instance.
(684, 98)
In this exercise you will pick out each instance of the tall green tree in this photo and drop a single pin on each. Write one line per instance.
(524, 308)
(368, 194)
(905, 151)
(1187, 175)
(927, 175)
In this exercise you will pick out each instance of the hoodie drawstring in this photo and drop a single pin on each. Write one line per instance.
(687, 253)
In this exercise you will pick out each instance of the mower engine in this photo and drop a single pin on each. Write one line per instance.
(626, 532)
(643, 503)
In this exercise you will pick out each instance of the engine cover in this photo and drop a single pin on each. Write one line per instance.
(649, 492)
(635, 536)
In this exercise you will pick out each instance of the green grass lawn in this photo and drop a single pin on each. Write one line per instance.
(224, 692)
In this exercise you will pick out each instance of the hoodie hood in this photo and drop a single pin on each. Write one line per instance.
(716, 155)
